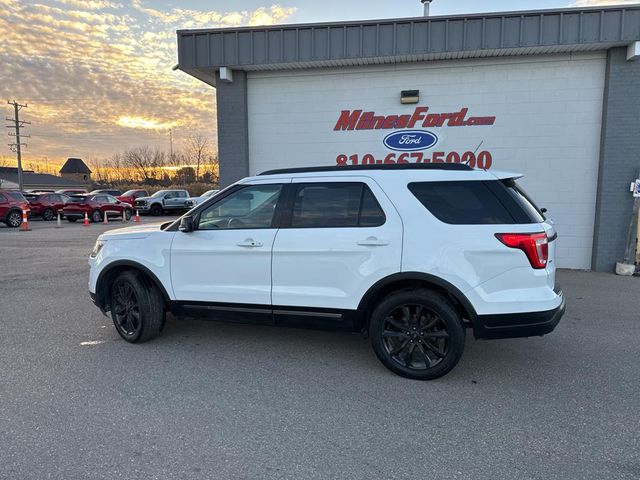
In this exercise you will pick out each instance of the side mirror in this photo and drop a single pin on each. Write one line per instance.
(186, 224)
(543, 210)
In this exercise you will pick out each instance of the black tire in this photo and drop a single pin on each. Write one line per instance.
(156, 210)
(96, 216)
(127, 214)
(431, 341)
(71, 219)
(48, 215)
(137, 309)
(13, 219)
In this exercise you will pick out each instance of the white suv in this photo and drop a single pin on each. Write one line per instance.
(409, 254)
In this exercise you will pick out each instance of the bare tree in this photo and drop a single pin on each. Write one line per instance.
(141, 160)
(198, 149)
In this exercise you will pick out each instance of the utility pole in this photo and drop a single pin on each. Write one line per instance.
(17, 146)
(171, 146)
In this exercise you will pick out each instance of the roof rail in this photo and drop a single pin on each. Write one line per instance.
(391, 166)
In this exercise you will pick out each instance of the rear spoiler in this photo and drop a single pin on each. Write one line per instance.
(505, 175)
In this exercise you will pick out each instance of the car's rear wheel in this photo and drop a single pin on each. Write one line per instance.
(96, 216)
(137, 308)
(14, 219)
(48, 215)
(417, 334)
(156, 210)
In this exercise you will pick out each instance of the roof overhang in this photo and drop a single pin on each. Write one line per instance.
(201, 53)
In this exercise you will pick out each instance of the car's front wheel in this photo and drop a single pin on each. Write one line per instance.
(137, 308)
(127, 214)
(417, 334)
(14, 219)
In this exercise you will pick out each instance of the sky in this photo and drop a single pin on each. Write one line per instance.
(96, 74)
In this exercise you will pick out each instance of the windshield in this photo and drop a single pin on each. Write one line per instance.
(159, 193)
(17, 196)
(129, 193)
(208, 193)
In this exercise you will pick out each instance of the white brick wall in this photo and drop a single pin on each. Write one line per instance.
(548, 120)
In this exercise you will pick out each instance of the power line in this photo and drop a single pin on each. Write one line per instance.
(17, 146)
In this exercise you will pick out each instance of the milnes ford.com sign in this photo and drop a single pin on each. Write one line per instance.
(409, 140)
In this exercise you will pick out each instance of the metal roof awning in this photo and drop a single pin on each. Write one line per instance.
(202, 52)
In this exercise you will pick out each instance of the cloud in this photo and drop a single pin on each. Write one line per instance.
(595, 3)
(97, 74)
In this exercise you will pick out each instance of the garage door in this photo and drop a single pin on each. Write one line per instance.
(540, 116)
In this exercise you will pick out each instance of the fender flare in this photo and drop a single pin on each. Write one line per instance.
(135, 265)
(451, 289)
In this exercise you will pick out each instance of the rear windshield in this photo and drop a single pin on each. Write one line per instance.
(78, 198)
(17, 196)
(476, 202)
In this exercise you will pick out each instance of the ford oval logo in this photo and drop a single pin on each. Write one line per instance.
(410, 140)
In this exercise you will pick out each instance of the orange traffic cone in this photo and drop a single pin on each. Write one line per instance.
(106, 218)
(137, 216)
(86, 219)
(25, 222)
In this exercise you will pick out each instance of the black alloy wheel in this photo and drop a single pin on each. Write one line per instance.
(126, 309)
(417, 334)
(415, 337)
(96, 216)
(14, 219)
(48, 215)
(137, 309)
(127, 214)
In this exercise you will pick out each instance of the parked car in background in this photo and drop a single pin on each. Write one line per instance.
(130, 196)
(72, 191)
(46, 205)
(195, 201)
(113, 192)
(37, 190)
(12, 203)
(96, 207)
(163, 201)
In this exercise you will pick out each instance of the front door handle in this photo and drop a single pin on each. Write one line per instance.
(373, 242)
(249, 243)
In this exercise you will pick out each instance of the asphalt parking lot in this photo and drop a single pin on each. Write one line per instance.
(211, 400)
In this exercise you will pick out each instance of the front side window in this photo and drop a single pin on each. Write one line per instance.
(335, 205)
(248, 208)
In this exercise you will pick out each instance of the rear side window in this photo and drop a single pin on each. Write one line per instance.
(473, 203)
(3, 199)
(333, 205)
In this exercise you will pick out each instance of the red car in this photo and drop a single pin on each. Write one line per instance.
(46, 205)
(12, 204)
(95, 206)
(72, 191)
(130, 196)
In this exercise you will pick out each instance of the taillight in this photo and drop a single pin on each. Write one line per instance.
(534, 245)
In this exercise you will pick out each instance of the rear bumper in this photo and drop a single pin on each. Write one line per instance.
(516, 325)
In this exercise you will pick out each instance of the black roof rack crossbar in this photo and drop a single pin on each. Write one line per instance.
(392, 166)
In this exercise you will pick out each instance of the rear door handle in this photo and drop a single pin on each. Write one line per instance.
(249, 243)
(373, 242)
